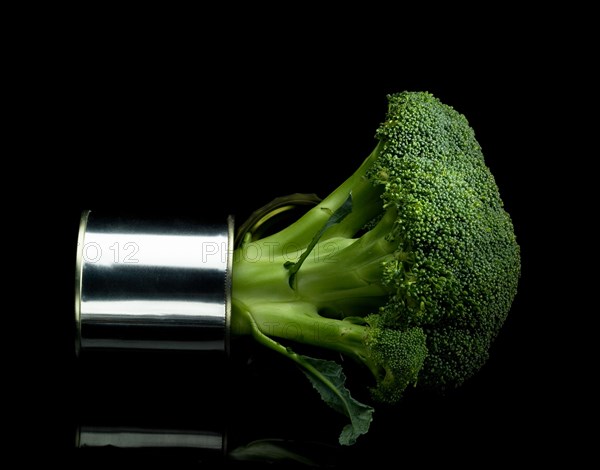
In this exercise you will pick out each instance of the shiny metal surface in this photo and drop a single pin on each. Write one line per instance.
(152, 284)
(122, 437)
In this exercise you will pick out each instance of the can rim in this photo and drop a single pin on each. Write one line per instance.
(78, 277)
(228, 281)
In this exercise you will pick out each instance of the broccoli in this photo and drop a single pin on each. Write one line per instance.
(409, 267)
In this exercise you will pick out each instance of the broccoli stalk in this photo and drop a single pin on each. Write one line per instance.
(409, 267)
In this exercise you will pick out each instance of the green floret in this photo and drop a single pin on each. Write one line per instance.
(409, 267)
(398, 356)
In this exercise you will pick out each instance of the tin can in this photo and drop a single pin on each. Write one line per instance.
(151, 283)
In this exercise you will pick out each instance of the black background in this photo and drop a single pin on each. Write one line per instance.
(163, 133)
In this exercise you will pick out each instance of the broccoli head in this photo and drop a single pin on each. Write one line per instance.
(409, 267)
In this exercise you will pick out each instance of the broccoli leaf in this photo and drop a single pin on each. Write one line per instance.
(339, 215)
(328, 378)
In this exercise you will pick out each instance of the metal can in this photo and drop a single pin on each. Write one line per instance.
(151, 283)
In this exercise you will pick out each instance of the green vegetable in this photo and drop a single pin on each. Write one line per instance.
(409, 267)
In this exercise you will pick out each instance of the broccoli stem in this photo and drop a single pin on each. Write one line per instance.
(298, 322)
(341, 275)
(266, 307)
(367, 200)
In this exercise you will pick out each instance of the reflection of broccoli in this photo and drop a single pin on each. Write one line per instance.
(409, 267)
